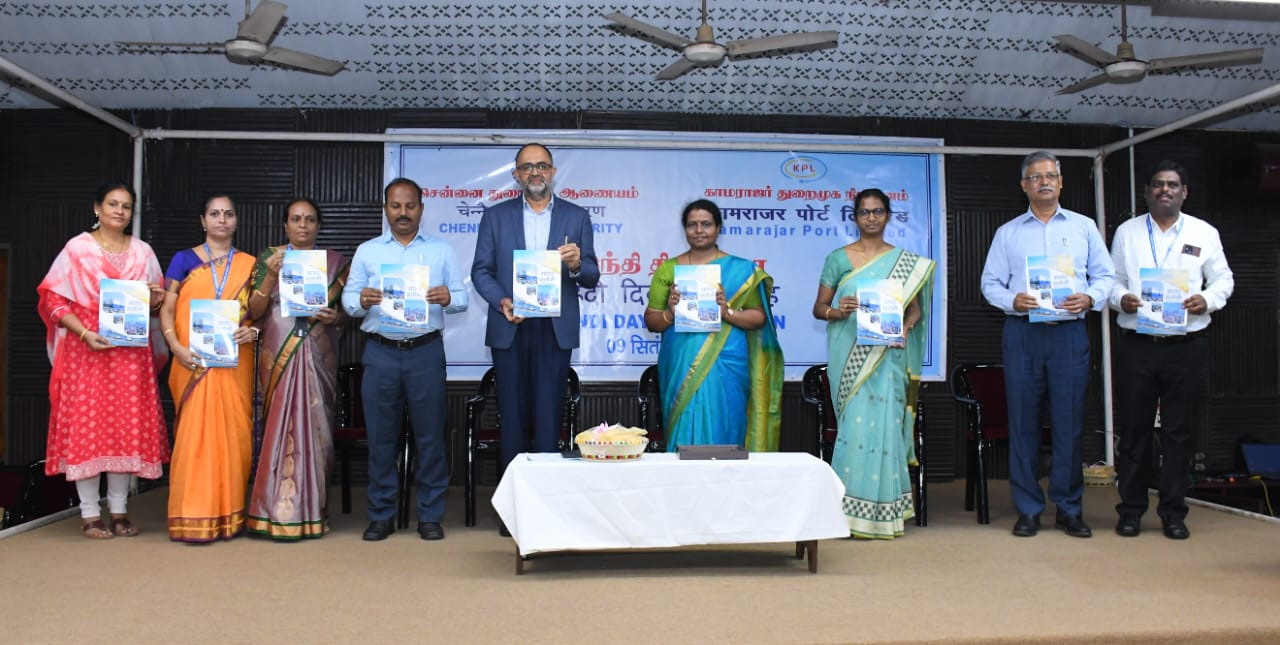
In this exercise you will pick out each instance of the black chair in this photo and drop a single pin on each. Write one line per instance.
(349, 430)
(983, 412)
(13, 490)
(484, 431)
(815, 389)
(649, 406)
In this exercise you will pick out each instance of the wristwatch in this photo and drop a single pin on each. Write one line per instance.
(729, 312)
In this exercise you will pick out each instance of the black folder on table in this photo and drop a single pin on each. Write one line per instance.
(712, 451)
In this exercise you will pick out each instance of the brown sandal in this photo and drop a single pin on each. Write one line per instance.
(96, 530)
(122, 526)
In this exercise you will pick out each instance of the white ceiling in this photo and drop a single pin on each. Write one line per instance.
(953, 59)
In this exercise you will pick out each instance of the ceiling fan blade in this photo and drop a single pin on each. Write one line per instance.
(1090, 51)
(1087, 83)
(663, 36)
(132, 44)
(263, 22)
(813, 39)
(303, 61)
(676, 69)
(1215, 59)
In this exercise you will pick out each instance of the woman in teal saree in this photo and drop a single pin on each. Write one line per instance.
(874, 387)
(722, 387)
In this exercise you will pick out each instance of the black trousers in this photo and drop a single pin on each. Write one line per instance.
(1169, 372)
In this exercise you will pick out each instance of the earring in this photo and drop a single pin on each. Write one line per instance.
(97, 221)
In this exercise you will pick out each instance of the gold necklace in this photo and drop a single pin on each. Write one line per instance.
(102, 242)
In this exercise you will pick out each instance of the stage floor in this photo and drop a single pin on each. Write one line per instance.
(953, 581)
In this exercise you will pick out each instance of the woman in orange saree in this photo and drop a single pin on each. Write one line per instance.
(213, 427)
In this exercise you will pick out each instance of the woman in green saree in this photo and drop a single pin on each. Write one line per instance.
(720, 387)
(874, 387)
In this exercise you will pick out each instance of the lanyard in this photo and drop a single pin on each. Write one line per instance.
(1151, 238)
(219, 285)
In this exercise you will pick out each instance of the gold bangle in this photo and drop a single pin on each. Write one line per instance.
(259, 292)
(828, 314)
(167, 332)
(83, 334)
(670, 320)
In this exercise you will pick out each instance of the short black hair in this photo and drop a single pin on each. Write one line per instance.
(1167, 165)
(309, 202)
(401, 181)
(701, 205)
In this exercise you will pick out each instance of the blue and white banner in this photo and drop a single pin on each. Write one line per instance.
(786, 210)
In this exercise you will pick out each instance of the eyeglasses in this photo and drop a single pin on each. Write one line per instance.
(1171, 185)
(868, 212)
(1049, 177)
(526, 168)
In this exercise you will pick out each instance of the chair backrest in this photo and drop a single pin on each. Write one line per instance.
(649, 407)
(485, 419)
(572, 400)
(980, 389)
(47, 494)
(815, 389)
(350, 408)
(13, 487)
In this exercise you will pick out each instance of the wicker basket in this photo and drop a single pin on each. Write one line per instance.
(1099, 475)
(611, 450)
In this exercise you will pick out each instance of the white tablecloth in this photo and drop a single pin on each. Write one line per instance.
(554, 504)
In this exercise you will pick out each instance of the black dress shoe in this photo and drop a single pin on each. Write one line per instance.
(378, 530)
(1176, 530)
(1027, 525)
(430, 531)
(1072, 525)
(1129, 526)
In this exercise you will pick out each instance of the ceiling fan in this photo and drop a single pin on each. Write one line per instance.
(704, 51)
(1125, 67)
(252, 43)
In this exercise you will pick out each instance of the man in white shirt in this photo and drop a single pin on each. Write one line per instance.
(1164, 371)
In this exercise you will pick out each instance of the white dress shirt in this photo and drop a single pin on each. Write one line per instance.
(1191, 244)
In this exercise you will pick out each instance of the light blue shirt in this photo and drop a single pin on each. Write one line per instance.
(537, 226)
(1067, 232)
(366, 268)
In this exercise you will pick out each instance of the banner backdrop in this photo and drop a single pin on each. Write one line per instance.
(784, 210)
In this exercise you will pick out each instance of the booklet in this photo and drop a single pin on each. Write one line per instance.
(697, 310)
(124, 312)
(213, 327)
(1163, 291)
(404, 298)
(1050, 279)
(304, 278)
(535, 287)
(880, 311)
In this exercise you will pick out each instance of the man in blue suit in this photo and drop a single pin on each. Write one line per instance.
(531, 355)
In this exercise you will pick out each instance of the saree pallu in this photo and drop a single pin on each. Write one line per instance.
(104, 407)
(297, 378)
(874, 390)
(723, 387)
(213, 427)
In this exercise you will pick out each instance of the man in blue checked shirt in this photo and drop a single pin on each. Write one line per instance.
(1047, 357)
(404, 359)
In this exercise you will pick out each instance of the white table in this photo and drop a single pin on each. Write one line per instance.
(554, 504)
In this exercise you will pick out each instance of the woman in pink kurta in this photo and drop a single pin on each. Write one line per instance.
(104, 412)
